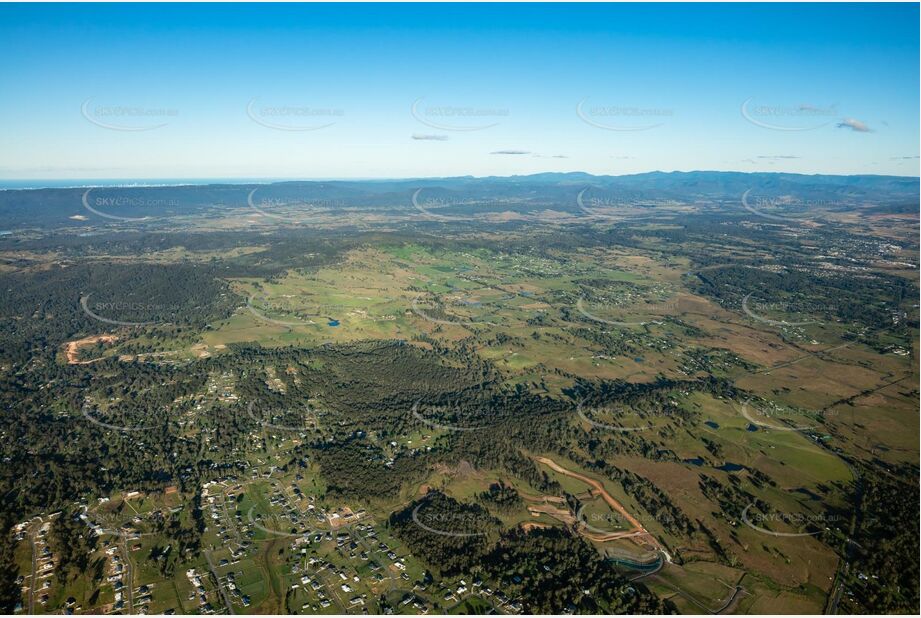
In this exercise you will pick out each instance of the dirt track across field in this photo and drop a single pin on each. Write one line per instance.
(637, 528)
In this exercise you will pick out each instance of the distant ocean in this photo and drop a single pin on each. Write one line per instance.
(71, 183)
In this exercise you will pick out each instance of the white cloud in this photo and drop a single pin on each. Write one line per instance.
(854, 125)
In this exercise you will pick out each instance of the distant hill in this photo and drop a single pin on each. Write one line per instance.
(43, 208)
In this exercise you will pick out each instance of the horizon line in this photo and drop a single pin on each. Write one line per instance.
(151, 182)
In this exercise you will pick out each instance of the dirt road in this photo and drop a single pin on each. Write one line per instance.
(637, 531)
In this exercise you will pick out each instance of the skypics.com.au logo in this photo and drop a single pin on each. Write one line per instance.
(788, 118)
(625, 118)
(127, 118)
(801, 523)
(292, 118)
(111, 202)
(461, 118)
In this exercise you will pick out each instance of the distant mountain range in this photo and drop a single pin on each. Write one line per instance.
(54, 207)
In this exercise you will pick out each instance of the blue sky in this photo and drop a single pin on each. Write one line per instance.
(365, 91)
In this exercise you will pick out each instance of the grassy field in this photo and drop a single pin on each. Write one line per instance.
(804, 393)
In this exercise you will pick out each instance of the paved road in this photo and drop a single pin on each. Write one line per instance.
(730, 603)
(32, 581)
(834, 598)
(217, 581)
(652, 572)
(129, 576)
(229, 521)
